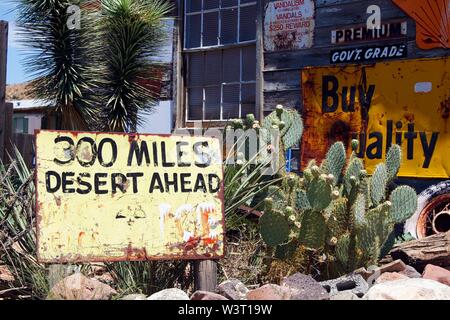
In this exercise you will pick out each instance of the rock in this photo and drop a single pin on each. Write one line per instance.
(206, 295)
(271, 292)
(307, 287)
(409, 289)
(436, 273)
(345, 295)
(390, 276)
(363, 272)
(134, 296)
(419, 253)
(394, 266)
(79, 287)
(232, 289)
(354, 283)
(5, 274)
(169, 294)
(410, 272)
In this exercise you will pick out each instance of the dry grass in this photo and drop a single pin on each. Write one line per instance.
(245, 258)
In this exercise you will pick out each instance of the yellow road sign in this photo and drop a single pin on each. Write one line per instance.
(405, 102)
(115, 197)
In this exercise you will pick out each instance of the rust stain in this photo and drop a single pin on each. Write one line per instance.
(409, 116)
(445, 109)
(80, 238)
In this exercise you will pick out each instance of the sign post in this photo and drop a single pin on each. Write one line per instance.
(3, 114)
(105, 197)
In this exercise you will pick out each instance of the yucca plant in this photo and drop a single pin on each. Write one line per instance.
(59, 59)
(130, 33)
(17, 232)
(99, 74)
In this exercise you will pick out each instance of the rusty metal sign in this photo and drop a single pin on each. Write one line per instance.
(116, 197)
(432, 19)
(289, 24)
(405, 102)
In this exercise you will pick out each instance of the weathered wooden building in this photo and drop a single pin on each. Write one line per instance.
(234, 57)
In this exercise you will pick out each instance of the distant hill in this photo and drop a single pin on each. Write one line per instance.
(17, 92)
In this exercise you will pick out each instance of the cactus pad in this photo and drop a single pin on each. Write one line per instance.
(378, 184)
(393, 161)
(404, 204)
(274, 228)
(334, 161)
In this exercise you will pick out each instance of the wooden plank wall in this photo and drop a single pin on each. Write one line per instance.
(25, 144)
(282, 68)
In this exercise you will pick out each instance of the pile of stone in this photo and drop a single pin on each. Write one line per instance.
(394, 281)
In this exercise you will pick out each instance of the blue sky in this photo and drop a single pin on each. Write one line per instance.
(15, 72)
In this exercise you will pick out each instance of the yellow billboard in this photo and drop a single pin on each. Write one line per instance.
(116, 197)
(405, 102)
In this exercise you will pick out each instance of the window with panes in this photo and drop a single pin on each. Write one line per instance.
(220, 50)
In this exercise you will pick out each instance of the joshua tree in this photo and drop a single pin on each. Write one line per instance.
(57, 59)
(95, 73)
(131, 33)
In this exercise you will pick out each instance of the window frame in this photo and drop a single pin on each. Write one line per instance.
(219, 47)
(219, 21)
(24, 124)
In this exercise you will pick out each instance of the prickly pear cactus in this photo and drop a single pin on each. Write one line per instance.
(335, 161)
(290, 124)
(274, 228)
(343, 214)
(404, 204)
(393, 160)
